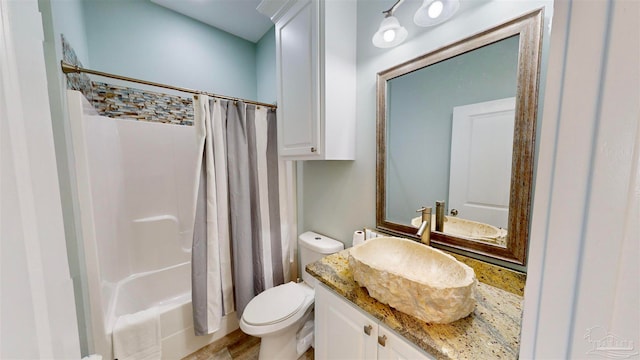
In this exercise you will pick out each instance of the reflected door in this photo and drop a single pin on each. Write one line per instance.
(481, 151)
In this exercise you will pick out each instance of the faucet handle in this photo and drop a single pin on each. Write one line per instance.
(426, 213)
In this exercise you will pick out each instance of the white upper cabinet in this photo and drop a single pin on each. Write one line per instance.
(316, 76)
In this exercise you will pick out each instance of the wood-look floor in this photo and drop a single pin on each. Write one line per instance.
(236, 345)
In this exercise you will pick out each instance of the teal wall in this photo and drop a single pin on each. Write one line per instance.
(266, 67)
(65, 17)
(420, 113)
(140, 39)
(339, 197)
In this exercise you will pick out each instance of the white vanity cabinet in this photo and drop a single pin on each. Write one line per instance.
(395, 347)
(316, 77)
(342, 331)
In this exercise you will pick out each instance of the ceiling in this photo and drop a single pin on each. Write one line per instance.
(238, 17)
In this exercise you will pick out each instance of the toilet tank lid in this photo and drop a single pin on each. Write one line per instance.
(320, 243)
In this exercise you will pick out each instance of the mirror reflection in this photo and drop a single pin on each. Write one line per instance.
(456, 127)
(448, 123)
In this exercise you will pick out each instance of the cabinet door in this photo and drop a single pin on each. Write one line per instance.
(297, 73)
(393, 347)
(341, 330)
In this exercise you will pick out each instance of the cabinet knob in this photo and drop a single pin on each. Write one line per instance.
(367, 329)
(313, 149)
(382, 340)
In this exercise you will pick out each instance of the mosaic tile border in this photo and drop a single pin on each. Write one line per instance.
(80, 82)
(124, 102)
(128, 103)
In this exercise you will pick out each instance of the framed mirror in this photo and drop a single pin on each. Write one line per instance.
(458, 125)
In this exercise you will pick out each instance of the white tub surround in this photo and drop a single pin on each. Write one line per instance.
(135, 184)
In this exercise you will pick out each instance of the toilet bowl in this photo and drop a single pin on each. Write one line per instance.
(283, 315)
(276, 315)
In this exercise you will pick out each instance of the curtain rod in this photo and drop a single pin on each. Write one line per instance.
(68, 68)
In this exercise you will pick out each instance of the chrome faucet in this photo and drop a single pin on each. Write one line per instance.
(425, 228)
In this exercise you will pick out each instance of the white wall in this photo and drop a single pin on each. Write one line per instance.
(67, 17)
(583, 282)
(37, 310)
(339, 196)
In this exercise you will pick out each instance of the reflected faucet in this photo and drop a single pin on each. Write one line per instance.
(440, 215)
(425, 228)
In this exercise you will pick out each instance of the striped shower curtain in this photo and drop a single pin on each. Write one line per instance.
(240, 246)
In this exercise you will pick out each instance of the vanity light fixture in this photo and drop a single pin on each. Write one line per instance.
(390, 33)
(434, 12)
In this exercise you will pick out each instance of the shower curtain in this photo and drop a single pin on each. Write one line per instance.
(240, 241)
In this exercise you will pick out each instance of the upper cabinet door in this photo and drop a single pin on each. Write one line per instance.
(297, 62)
(316, 76)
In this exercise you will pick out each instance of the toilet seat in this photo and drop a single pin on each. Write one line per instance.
(275, 305)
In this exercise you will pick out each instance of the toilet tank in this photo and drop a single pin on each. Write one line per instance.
(313, 247)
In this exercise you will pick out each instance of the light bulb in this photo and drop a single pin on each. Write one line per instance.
(434, 12)
(435, 9)
(389, 35)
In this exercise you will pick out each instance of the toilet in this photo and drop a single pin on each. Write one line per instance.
(283, 315)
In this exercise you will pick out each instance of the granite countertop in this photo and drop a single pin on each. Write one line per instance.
(492, 331)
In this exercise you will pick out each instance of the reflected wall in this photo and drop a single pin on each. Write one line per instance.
(420, 112)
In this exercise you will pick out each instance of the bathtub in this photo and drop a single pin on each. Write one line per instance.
(145, 290)
(136, 195)
(148, 290)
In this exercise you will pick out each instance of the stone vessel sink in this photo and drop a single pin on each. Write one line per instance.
(467, 228)
(415, 279)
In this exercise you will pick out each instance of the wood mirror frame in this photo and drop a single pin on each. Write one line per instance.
(529, 28)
